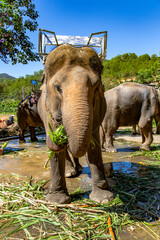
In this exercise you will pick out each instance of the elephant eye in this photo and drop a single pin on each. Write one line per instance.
(58, 88)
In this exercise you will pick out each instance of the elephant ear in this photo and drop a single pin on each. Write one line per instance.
(43, 77)
(148, 108)
(99, 106)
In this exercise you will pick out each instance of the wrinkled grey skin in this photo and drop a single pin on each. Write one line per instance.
(127, 105)
(27, 116)
(72, 94)
(157, 115)
(157, 120)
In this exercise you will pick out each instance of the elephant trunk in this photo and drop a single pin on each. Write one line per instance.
(77, 121)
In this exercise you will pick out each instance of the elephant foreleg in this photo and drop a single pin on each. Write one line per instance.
(77, 165)
(134, 132)
(147, 137)
(157, 120)
(57, 191)
(21, 135)
(72, 165)
(33, 134)
(99, 189)
(70, 170)
(109, 142)
(143, 138)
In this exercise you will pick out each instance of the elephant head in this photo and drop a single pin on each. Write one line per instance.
(72, 94)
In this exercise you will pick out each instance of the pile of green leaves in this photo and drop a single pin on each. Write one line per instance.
(9, 106)
(24, 211)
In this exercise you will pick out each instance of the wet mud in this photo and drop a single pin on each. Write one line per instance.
(28, 160)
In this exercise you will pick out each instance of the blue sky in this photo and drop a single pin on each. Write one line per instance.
(133, 26)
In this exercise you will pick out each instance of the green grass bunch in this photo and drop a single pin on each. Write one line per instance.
(58, 137)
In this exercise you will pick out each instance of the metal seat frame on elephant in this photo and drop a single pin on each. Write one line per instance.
(48, 40)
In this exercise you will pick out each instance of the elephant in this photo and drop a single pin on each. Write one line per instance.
(72, 95)
(129, 104)
(135, 130)
(157, 121)
(157, 116)
(28, 116)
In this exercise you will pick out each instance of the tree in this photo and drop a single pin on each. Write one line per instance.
(128, 57)
(144, 57)
(145, 76)
(16, 18)
(154, 57)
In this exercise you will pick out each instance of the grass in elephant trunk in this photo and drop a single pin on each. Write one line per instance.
(58, 137)
(25, 212)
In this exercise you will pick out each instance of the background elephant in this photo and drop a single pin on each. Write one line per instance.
(135, 130)
(129, 104)
(157, 115)
(72, 94)
(27, 116)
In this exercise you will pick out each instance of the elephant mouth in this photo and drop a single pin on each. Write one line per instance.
(54, 147)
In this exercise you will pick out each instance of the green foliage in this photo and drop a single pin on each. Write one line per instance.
(158, 67)
(17, 17)
(127, 67)
(12, 91)
(142, 69)
(19, 88)
(59, 136)
(9, 106)
(145, 76)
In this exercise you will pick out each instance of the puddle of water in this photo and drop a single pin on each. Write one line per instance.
(125, 167)
(26, 159)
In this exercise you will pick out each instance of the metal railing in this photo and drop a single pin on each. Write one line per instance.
(49, 38)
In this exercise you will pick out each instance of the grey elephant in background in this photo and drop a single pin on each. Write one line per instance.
(157, 115)
(72, 95)
(129, 104)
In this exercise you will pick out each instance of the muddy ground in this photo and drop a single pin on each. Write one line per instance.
(28, 159)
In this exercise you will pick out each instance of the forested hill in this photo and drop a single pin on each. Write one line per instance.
(130, 67)
(126, 67)
(19, 88)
